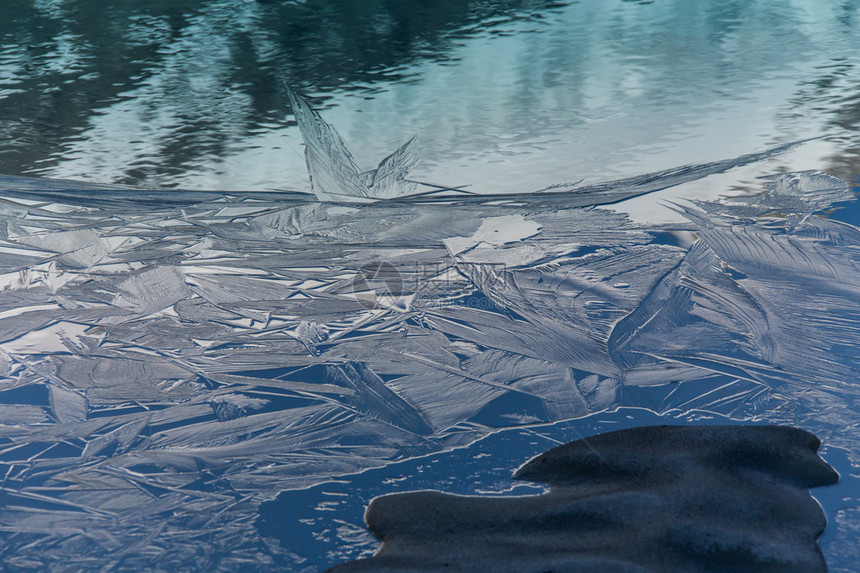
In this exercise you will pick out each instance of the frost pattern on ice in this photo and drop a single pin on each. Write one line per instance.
(167, 365)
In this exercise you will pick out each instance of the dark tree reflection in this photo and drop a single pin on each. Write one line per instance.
(62, 64)
(160, 92)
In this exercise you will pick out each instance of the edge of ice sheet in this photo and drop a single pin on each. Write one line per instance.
(335, 175)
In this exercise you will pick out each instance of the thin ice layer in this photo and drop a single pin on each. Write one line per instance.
(170, 361)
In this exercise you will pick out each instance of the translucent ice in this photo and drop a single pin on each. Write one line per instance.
(169, 361)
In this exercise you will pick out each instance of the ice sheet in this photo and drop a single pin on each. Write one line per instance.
(168, 365)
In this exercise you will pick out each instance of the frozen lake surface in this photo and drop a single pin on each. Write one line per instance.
(614, 214)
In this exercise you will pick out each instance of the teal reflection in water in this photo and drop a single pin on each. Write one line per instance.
(505, 97)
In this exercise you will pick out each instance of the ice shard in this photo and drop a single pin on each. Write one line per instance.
(333, 171)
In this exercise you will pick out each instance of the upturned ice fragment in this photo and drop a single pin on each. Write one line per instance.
(333, 171)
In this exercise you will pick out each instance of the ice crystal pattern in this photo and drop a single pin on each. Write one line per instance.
(170, 361)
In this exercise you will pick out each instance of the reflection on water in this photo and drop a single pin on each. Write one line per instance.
(161, 90)
(192, 93)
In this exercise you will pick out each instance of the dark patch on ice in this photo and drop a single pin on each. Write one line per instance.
(34, 394)
(511, 409)
(658, 498)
